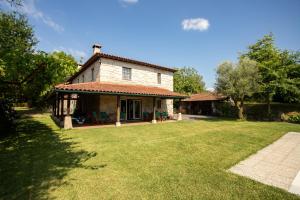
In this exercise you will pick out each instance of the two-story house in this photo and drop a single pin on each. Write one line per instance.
(121, 88)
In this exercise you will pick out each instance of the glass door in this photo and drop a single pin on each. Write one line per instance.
(123, 109)
(137, 109)
(130, 111)
(134, 109)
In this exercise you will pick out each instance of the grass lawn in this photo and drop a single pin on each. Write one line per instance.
(182, 160)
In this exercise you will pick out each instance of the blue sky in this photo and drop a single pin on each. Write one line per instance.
(199, 34)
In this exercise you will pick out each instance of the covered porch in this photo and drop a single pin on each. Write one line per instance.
(78, 105)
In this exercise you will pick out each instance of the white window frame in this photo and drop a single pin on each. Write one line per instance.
(126, 73)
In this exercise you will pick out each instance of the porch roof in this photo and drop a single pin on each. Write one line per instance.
(117, 89)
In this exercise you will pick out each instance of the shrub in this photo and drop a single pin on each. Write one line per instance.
(293, 117)
(7, 117)
(225, 109)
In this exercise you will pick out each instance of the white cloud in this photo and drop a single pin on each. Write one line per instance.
(76, 53)
(199, 24)
(29, 8)
(128, 2)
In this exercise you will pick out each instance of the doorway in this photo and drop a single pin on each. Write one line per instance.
(131, 109)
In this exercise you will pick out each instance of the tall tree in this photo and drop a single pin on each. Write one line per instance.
(288, 89)
(50, 70)
(238, 81)
(278, 69)
(17, 44)
(187, 80)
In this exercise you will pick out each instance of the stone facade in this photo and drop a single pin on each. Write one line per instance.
(111, 71)
(108, 70)
(88, 74)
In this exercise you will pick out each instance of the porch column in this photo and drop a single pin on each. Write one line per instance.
(62, 106)
(67, 118)
(54, 106)
(57, 105)
(154, 110)
(118, 123)
(179, 117)
(68, 105)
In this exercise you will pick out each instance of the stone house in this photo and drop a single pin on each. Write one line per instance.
(124, 89)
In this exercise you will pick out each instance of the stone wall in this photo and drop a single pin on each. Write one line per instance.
(88, 74)
(111, 71)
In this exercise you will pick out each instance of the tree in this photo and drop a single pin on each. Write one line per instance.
(17, 44)
(278, 70)
(51, 69)
(238, 81)
(288, 89)
(24, 72)
(188, 81)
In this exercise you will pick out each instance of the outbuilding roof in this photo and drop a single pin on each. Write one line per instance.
(206, 96)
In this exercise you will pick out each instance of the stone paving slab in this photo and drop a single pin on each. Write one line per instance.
(277, 164)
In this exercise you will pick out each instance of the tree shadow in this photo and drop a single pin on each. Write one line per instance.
(37, 159)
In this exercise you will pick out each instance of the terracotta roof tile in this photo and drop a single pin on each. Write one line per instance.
(206, 96)
(113, 88)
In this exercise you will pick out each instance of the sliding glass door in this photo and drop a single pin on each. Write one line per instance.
(134, 108)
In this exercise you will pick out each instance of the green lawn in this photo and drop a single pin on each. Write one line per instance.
(181, 160)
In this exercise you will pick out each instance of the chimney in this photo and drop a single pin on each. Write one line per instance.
(96, 48)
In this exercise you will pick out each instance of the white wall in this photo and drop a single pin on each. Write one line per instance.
(111, 71)
(88, 73)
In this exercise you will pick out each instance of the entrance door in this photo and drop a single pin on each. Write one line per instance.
(134, 109)
(123, 109)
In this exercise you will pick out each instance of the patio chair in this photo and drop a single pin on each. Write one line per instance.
(158, 115)
(123, 115)
(146, 116)
(95, 118)
(164, 115)
(104, 117)
(79, 120)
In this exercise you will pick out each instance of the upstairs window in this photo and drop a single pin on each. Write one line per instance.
(93, 78)
(126, 73)
(83, 78)
(159, 78)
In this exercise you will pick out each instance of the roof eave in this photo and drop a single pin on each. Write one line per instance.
(117, 93)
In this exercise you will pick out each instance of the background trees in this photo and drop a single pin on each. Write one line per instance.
(238, 81)
(27, 74)
(279, 70)
(187, 80)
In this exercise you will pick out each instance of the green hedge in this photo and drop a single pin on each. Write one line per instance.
(258, 111)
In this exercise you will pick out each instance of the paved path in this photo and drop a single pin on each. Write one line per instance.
(277, 164)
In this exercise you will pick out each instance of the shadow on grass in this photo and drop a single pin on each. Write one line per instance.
(36, 159)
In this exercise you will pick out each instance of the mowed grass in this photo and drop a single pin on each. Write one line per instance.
(181, 160)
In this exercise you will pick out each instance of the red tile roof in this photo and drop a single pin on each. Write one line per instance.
(113, 88)
(206, 96)
(96, 56)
